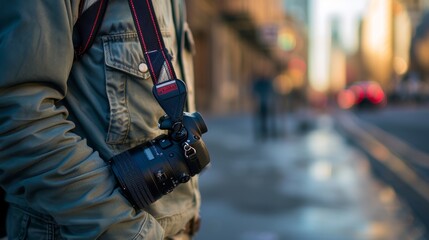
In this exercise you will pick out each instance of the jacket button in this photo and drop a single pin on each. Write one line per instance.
(143, 67)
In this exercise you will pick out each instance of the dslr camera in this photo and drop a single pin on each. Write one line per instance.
(153, 169)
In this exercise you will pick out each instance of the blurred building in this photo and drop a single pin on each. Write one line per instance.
(392, 44)
(377, 40)
(236, 40)
(415, 8)
(298, 9)
(292, 82)
(419, 53)
(386, 32)
(338, 68)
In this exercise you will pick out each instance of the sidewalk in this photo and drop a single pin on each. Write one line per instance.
(396, 162)
(309, 185)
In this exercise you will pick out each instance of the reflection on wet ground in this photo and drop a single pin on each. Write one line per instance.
(310, 185)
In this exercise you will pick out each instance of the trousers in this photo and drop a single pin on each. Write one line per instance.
(32, 225)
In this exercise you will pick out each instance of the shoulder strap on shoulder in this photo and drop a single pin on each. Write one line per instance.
(91, 15)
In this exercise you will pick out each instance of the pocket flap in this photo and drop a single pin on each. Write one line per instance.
(123, 52)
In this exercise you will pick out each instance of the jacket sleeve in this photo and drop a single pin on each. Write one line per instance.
(42, 163)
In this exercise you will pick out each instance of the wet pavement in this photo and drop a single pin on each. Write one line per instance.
(407, 123)
(304, 185)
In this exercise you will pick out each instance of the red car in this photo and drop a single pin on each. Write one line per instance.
(367, 94)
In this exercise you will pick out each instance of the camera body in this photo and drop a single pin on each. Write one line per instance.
(153, 169)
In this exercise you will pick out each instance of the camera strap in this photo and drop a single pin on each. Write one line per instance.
(169, 92)
(87, 24)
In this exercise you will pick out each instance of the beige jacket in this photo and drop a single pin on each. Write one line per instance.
(61, 118)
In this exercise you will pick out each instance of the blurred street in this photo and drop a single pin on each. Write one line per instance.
(317, 114)
(354, 164)
(308, 183)
(407, 123)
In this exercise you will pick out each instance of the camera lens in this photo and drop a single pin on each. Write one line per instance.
(151, 170)
(132, 180)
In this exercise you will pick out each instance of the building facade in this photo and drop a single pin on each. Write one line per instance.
(235, 41)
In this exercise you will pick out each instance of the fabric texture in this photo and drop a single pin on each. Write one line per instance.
(61, 118)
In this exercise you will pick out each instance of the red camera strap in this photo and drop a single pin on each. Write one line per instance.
(148, 31)
(171, 93)
(168, 91)
(87, 25)
(151, 41)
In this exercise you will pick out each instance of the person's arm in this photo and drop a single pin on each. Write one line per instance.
(42, 163)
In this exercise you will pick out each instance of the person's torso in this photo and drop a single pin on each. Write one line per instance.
(110, 99)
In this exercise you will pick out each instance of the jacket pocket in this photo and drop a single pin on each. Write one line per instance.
(134, 112)
(122, 58)
(25, 225)
(18, 223)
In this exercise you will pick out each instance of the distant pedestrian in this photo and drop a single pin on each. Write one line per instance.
(265, 125)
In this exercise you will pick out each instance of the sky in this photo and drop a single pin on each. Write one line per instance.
(348, 13)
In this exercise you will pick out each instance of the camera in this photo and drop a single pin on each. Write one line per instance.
(153, 169)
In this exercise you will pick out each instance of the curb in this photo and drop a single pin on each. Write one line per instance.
(394, 161)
